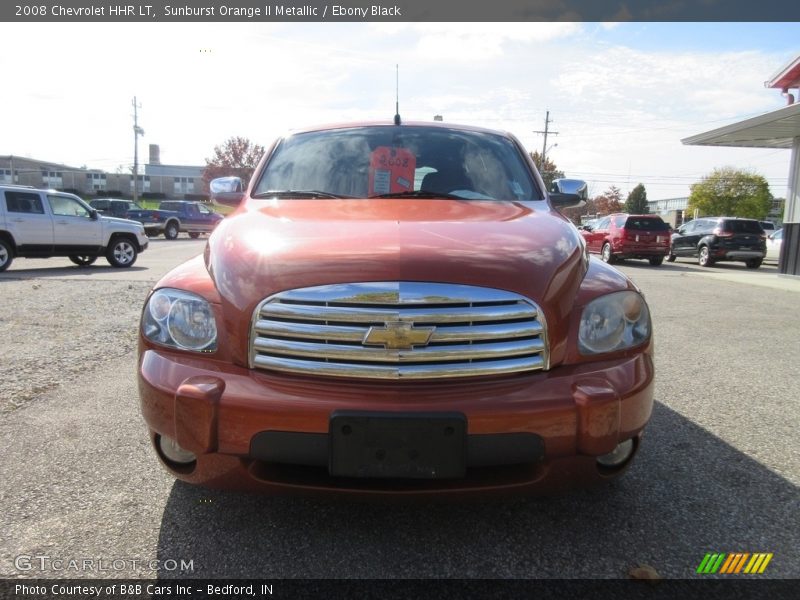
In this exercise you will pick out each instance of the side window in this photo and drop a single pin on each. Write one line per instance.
(64, 206)
(603, 224)
(204, 210)
(705, 226)
(24, 202)
(620, 221)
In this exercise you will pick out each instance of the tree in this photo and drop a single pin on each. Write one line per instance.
(731, 192)
(549, 171)
(636, 204)
(574, 214)
(609, 201)
(237, 156)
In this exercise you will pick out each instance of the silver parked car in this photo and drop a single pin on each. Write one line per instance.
(774, 241)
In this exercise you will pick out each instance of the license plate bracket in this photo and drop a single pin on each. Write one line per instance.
(397, 445)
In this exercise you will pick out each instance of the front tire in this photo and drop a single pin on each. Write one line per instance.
(194, 235)
(171, 231)
(82, 260)
(6, 255)
(704, 259)
(656, 260)
(122, 253)
(606, 253)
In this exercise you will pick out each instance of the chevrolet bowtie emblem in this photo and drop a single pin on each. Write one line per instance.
(398, 335)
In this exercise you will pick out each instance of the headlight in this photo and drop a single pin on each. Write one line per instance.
(614, 322)
(181, 320)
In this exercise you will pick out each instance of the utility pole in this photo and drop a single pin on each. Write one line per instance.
(137, 131)
(547, 122)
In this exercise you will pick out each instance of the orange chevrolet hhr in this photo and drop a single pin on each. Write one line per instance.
(396, 309)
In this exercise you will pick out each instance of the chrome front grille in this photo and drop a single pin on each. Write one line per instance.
(398, 330)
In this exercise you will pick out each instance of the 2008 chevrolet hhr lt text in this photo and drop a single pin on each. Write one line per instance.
(396, 309)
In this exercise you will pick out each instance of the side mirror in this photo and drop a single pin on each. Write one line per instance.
(93, 215)
(227, 190)
(568, 193)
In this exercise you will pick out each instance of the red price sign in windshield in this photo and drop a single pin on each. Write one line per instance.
(391, 171)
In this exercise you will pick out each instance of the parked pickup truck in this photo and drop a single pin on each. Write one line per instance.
(171, 217)
(396, 309)
(44, 223)
(155, 222)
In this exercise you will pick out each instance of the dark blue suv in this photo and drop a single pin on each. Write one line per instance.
(712, 239)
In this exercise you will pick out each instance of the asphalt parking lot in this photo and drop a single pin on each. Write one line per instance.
(718, 471)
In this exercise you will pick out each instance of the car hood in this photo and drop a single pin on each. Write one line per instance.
(117, 222)
(286, 244)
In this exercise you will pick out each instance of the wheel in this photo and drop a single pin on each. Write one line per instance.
(6, 255)
(704, 259)
(656, 260)
(171, 231)
(671, 257)
(82, 260)
(194, 235)
(753, 263)
(122, 252)
(606, 254)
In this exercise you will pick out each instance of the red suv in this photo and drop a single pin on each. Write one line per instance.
(621, 236)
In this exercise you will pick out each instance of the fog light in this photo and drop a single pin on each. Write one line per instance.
(173, 452)
(618, 455)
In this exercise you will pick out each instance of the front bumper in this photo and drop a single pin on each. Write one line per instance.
(258, 431)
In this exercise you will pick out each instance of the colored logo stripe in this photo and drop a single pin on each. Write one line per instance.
(710, 563)
(734, 563)
(758, 563)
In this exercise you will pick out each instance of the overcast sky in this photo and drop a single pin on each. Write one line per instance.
(621, 96)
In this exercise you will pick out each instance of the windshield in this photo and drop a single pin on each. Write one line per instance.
(646, 224)
(399, 161)
(743, 226)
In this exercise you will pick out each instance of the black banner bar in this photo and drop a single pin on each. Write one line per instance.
(737, 588)
(396, 10)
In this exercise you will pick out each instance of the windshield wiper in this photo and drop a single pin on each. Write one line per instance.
(296, 194)
(420, 194)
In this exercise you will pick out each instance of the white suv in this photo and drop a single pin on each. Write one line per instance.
(44, 223)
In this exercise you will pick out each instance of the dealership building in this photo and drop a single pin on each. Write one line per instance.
(167, 181)
(777, 129)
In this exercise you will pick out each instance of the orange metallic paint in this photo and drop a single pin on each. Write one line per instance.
(213, 404)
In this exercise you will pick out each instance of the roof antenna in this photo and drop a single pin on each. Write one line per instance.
(397, 95)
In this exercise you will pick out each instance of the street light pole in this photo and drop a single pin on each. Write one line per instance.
(137, 131)
(546, 131)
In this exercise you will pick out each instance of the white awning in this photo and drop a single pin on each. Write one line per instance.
(776, 129)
